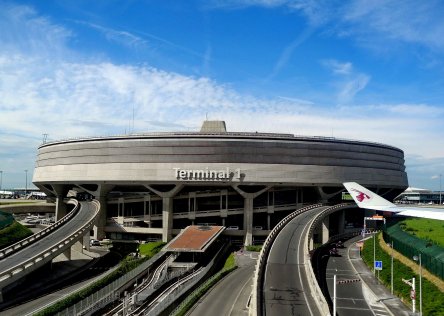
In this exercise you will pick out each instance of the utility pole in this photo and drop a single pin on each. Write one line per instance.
(334, 295)
(440, 201)
(26, 183)
(391, 285)
(1, 178)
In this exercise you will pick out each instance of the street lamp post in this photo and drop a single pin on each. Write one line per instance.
(374, 252)
(391, 266)
(440, 201)
(1, 178)
(416, 258)
(26, 183)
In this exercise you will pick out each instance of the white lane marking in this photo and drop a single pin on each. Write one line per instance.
(299, 267)
(238, 294)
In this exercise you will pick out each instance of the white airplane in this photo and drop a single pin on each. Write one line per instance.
(370, 200)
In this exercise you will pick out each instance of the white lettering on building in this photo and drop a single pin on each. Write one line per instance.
(206, 174)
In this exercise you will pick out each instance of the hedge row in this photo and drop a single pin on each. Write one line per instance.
(126, 266)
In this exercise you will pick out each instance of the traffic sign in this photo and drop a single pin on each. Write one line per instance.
(378, 265)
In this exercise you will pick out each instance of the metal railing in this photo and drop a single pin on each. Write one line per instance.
(220, 135)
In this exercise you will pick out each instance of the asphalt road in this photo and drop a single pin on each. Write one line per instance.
(286, 288)
(230, 296)
(352, 298)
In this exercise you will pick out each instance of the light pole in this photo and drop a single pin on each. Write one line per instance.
(391, 267)
(26, 183)
(374, 252)
(416, 258)
(440, 176)
(1, 178)
(334, 295)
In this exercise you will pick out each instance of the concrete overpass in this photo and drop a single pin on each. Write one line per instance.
(35, 251)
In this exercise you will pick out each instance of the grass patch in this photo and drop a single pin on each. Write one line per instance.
(256, 248)
(13, 233)
(432, 297)
(230, 262)
(150, 249)
(428, 229)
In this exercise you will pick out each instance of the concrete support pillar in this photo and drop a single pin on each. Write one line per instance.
(341, 222)
(66, 254)
(311, 243)
(99, 227)
(248, 212)
(86, 241)
(147, 210)
(78, 246)
(325, 229)
(248, 220)
(167, 210)
(60, 209)
(167, 218)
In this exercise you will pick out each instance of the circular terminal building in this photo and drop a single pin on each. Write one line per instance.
(152, 185)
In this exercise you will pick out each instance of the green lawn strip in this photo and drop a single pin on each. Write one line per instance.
(126, 266)
(428, 229)
(13, 233)
(187, 304)
(432, 298)
(255, 248)
(150, 249)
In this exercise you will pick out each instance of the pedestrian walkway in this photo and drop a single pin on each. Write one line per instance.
(377, 294)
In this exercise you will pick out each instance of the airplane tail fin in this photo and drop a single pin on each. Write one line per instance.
(366, 198)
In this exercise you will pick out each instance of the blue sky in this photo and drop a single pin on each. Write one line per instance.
(365, 70)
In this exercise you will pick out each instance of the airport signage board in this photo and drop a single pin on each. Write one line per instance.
(378, 265)
(207, 174)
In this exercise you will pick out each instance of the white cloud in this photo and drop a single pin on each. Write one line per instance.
(22, 29)
(122, 37)
(369, 22)
(337, 67)
(71, 97)
(352, 87)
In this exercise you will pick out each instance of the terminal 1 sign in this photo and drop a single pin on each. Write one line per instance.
(206, 174)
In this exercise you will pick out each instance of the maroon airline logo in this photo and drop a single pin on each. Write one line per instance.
(361, 195)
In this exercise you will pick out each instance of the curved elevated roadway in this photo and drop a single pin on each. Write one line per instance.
(38, 251)
(286, 286)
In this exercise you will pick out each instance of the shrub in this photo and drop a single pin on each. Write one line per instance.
(256, 248)
(13, 233)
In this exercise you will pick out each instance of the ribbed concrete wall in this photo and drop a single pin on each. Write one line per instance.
(262, 158)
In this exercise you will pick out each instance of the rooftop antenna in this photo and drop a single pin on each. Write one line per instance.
(45, 137)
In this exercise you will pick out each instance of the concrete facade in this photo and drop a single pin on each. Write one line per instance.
(170, 166)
